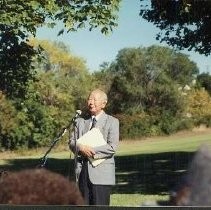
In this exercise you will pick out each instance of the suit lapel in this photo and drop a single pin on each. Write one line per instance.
(87, 124)
(101, 121)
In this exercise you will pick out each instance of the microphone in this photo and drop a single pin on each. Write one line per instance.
(77, 114)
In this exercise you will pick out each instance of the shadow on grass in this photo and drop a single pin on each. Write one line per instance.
(143, 173)
(151, 173)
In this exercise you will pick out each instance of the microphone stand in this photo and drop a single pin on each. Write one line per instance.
(61, 134)
(73, 135)
(76, 151)
(44, 158)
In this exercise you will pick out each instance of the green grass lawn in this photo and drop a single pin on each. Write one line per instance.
(146, 170)
(188, 142)
(153, 167)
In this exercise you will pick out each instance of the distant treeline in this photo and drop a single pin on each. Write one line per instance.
(152, 91)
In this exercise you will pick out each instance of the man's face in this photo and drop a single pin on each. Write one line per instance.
(95, 103)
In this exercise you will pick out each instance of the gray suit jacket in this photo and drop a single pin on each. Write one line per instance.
(104, 173)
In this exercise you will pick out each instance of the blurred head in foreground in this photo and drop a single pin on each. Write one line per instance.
(38, 187)
(196, 188)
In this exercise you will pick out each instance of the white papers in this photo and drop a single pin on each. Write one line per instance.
(93, 138)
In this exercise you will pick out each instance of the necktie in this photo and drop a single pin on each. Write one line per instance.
(94, 121)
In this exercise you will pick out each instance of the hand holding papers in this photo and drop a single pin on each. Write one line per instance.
(93, 138)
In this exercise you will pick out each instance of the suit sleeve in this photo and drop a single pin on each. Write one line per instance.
(110, 148)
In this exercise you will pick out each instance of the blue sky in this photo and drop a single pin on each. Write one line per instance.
(132, 31)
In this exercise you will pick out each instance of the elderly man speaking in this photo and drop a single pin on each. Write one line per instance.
(95, 181)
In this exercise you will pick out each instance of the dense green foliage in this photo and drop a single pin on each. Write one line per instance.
(199, 106)
(39, 89)
(183, 23)
(146, 90)
(204, 80)
(151, 91)
(50, 101)
(20, 19)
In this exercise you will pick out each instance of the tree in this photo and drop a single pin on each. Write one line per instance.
(59, 87)
(23, 17)
(145, 90)
(64, 71)
(104, 77)
(185, 24)
(204, 80)
(199, 106)
(20, 19)
(147, 78)
(16, 68)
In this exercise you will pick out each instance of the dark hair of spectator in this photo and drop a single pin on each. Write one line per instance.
(38, 187)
